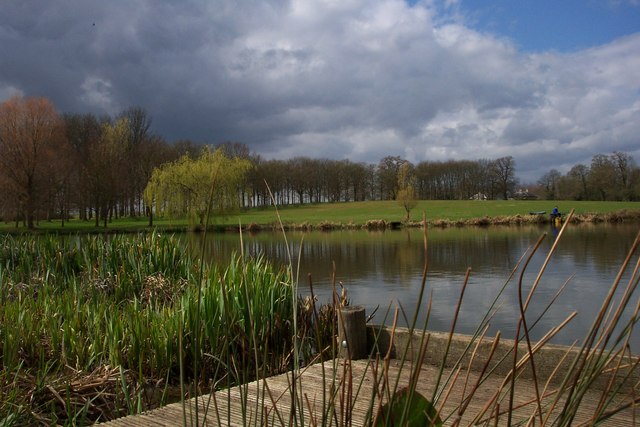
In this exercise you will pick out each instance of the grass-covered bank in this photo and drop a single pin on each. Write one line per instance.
(437, 213)
(359, 213)
(368, 214)
(377, 215)
(94, 328)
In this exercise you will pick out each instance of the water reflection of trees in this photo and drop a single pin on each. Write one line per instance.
(400, 253)
(386, 267)
(602, 247)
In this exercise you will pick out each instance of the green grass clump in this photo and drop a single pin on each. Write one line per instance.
(127, 312)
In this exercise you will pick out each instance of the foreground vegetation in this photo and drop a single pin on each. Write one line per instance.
(93, 328)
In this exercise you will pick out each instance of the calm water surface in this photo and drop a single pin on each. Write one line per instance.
(384, 269)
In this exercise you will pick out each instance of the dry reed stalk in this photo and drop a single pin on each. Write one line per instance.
(481, 377)
(451, 383)
(630, 288)
(471, 360)
(494, 401)
(451, 332)
(612, 377)
(582, 362)
(523, 323)
(312, 418)
(379, 388)
(521, 405)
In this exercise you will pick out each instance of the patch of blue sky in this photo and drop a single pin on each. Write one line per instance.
(547, 25)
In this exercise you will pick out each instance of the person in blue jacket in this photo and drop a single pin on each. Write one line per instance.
(555, 216)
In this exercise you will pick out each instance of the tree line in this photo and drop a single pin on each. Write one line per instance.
(54, 166)
(305, 180)
(608, 177)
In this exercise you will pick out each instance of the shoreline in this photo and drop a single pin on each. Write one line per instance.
(614, 217)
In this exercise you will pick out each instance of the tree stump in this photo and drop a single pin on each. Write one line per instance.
(352, 333)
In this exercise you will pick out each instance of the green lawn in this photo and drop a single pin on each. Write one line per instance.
(356, 213)
(75, 225)
(361, 212)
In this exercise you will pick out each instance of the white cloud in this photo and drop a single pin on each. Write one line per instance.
(357, 79)
(9, 91)
(97, 92)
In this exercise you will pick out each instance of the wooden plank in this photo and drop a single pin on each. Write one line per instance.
(270, 401)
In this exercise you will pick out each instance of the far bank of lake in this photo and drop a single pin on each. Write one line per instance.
(356, 215)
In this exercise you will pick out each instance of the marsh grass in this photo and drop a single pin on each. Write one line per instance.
(604, 354)
(130, 315)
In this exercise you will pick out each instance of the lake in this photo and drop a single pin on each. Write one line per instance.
(384, 269)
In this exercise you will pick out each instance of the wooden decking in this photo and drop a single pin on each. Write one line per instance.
(269, 402)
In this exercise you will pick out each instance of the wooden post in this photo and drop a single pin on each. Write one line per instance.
(352, 332)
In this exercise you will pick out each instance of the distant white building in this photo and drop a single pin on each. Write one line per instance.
(478, 196)
(523, 194)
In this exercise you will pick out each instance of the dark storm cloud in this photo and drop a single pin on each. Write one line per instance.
(358, 79)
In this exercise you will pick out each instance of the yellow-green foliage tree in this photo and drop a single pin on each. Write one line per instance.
(209, 184)
(406, 195)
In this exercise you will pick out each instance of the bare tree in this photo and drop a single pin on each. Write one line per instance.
(575, 184)
(132, 177)
(549, 183)
(187, 147)
(234, 149)
(82, 132)
(602, 177)
(504, 172)
(30, 129)
(388, 169)
(624, 165)
(105, 161)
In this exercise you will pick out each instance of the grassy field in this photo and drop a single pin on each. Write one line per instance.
(358, 213)
(453, 210)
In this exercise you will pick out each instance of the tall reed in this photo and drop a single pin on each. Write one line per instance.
(86, 302)
(603, 356)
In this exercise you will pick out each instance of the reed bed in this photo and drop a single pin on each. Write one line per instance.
(602, 362)
(602, 357)
(129, 316)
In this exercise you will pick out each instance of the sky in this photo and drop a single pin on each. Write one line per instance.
(550, 83)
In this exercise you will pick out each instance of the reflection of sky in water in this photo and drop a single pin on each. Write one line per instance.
(584, 294)
(386, 268)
